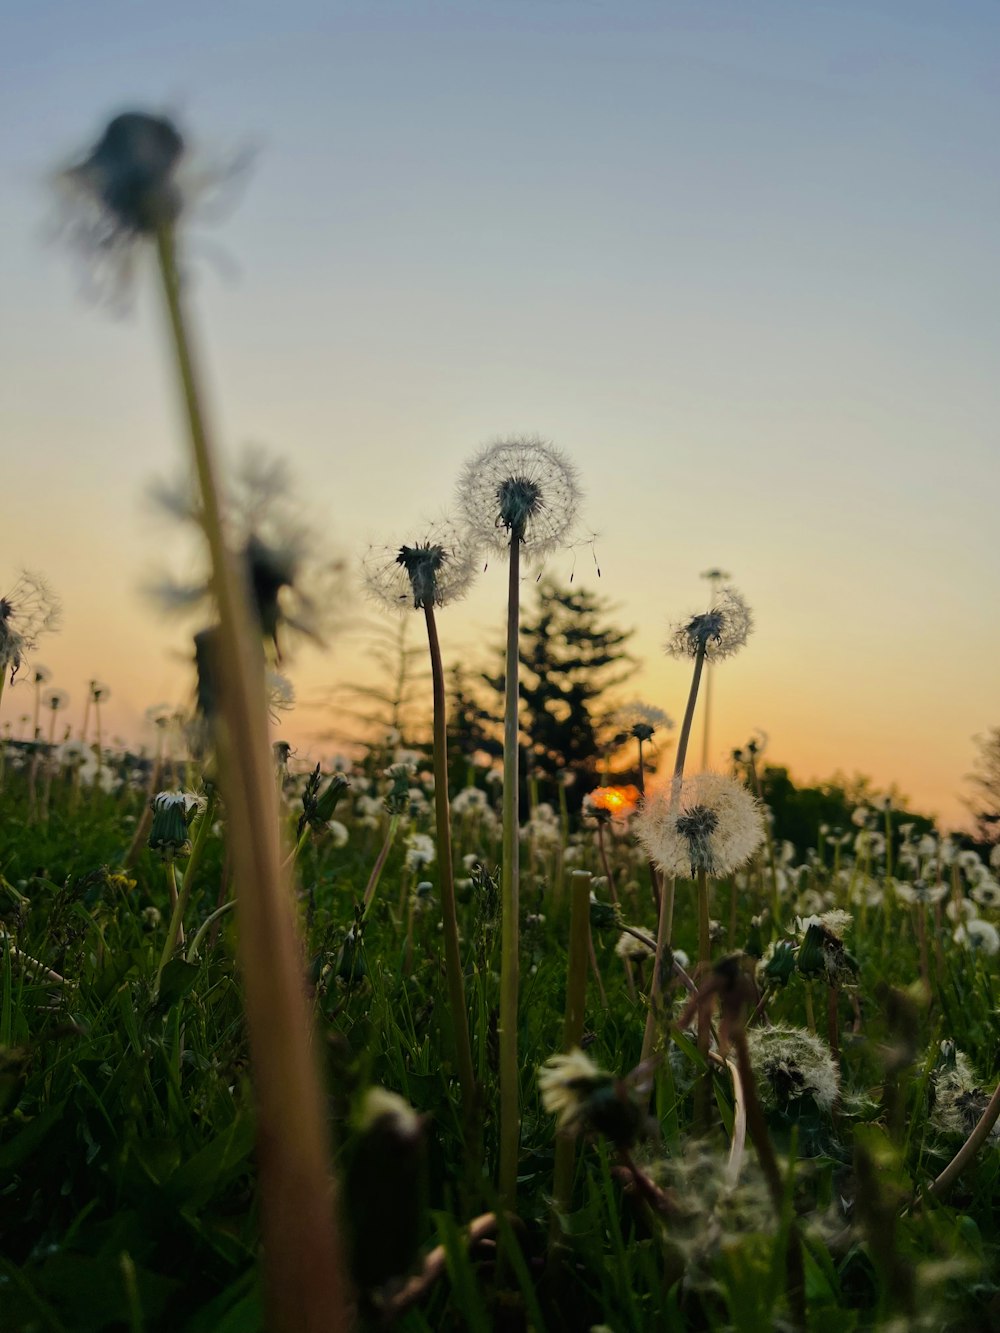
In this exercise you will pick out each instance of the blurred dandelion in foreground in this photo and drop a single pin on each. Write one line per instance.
(138, 178)
(295, 588)
(708, 822)
(29, 610)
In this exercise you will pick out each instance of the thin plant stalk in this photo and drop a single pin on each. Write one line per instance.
(576, 998)
(757, 1128)
(664, 926)
(205, 926)
(452, 948)
(380, 861)
(510, 1120)
(703, 1091)
(305, 1284)
(175, 931)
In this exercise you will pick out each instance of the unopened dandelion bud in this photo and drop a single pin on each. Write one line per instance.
(386, 1189)
(173, 812)
(351, 968)
(604, 916)
(778, 963)
(583, 1097)
(329, 797)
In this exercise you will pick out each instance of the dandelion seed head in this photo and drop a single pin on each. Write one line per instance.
(707, 822)
(642, 720)
(27, 611)
(55, 700)
(436, 568)
(521, 489)
(565, 1082)
(717, 633)
(791, 1064)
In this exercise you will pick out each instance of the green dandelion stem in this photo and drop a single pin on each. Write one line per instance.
(379, 865)
(205, 926)
(305, 1283)
(510, 1124)
(175, 931)
(576, 998)
(452, 948)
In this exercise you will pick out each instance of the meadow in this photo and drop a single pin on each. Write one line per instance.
(379, 1046)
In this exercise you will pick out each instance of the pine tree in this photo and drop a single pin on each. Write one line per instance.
(570, 657)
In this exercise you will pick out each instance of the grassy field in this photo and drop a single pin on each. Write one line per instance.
(128, 1190)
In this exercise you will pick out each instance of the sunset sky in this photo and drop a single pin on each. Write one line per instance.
(738, 260)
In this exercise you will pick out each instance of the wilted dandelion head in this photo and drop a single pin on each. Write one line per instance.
(791, 1064)
(717, 633)
(129, 176)
(706, 822)
(520, 489)
(293, 586)
(435, 569)
(29, 610)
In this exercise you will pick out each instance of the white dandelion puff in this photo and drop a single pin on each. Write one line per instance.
(706, 822)
(717, 633)
(519, 489)
(435, 569)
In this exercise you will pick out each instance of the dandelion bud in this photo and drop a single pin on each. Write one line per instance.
(582, 1096)
(173, 812)
(386, 1189)
(351, 968)
(778, 964)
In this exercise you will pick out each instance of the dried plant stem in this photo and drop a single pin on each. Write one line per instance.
(435, 1263)
(664, 927)
(969, 1148)
(442, 811)
(305, 1284)
(510, 1120)
(576, 997)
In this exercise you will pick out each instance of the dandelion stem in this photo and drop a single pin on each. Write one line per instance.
(510, 1123)
(305, 1288)
(576, 998)
(664, 927)
(175, 931)
(379, 865)
(203, 929)
(452, 947)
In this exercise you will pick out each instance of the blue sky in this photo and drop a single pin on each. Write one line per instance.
(739, 260)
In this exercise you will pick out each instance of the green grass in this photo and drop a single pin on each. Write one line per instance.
(127, 1178)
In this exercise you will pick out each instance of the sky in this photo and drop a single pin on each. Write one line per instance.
(738, 261)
